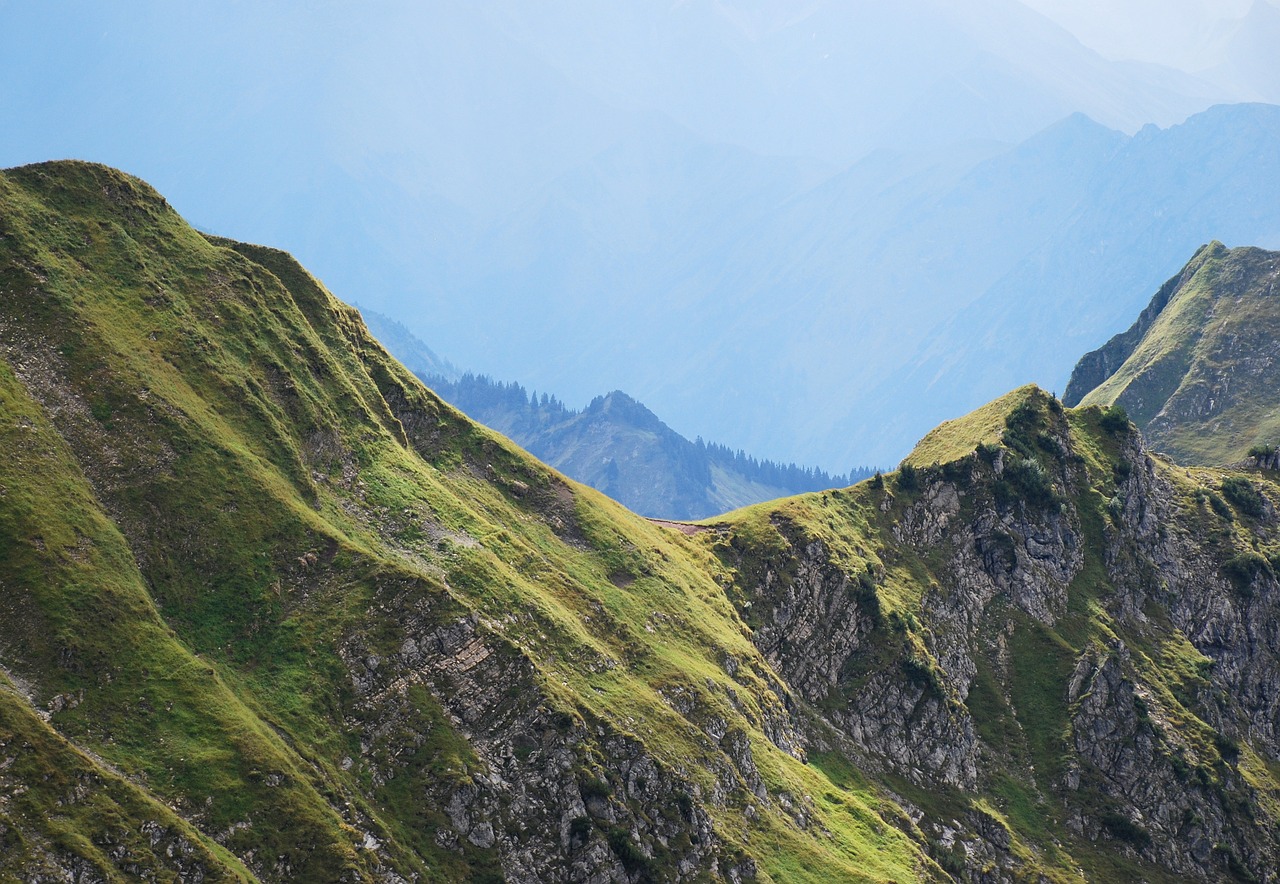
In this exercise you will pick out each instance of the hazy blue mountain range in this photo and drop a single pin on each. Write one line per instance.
(896, 293)
(618, 446)
(1192, 35)
(1152, 203)
(615, 444)
(772, 223)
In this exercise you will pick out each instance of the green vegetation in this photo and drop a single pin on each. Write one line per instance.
(1242, 493)
(1114, 419)
(1189, 370)
(272, 604)
(227, 515)
(907, 479)
(1038, 464)
(957, 438)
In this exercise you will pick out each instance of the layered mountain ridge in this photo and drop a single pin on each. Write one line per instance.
(943, 277)
(274, 611)
(615, 444)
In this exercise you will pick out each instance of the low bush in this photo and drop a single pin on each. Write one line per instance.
(1025, 479)
(1125, 829)
(1115, 420)
(595, 788)
(627, 851)
(1241, 492)
(1220, 507)
(1243, 569)
(908, 478)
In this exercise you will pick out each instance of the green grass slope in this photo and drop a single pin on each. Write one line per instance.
(1198, 371)
(272, 595)
(270, 610)
(958, 438)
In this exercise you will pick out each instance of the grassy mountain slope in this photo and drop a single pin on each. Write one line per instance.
(273, 611)
(1196, 371)
(618, 446)
(255, 567)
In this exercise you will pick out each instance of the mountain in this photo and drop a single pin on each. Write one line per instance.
(618, 446)
(1196, 369)
(796, 328)
(407, 347)
(273, 611)
(678, 189)
(1142, 211)
(615, 444)
(1242, 60)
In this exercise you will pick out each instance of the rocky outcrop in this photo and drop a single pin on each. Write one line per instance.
(272, 610)
(936, 687)
(555, 797)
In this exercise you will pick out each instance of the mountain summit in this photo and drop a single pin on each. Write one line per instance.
(620, 447)
(1198, 370)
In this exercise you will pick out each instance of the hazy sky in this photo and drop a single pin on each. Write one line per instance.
(1178, 33)
(566, 192)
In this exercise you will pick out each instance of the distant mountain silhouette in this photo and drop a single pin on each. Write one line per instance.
(620, 447)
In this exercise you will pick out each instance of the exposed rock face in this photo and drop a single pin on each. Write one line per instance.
(288, 616)
(1139, 756)
(541, 778)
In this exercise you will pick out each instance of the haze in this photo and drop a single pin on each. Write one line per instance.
(794, 228)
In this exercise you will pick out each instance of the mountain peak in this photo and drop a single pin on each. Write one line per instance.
(273, 612)
(1196, 370)
(957, 438)
(627, 408)
(62, 181)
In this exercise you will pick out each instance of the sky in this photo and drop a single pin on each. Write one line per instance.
(568, 193)
(1179, 33)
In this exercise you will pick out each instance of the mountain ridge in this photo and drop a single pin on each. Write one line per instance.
(318, 625)
(1194, 370)
(332, 624)
(618, 446)
(1097, 366)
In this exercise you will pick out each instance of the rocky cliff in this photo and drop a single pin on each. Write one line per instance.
(1055, 646)
(272, 611)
